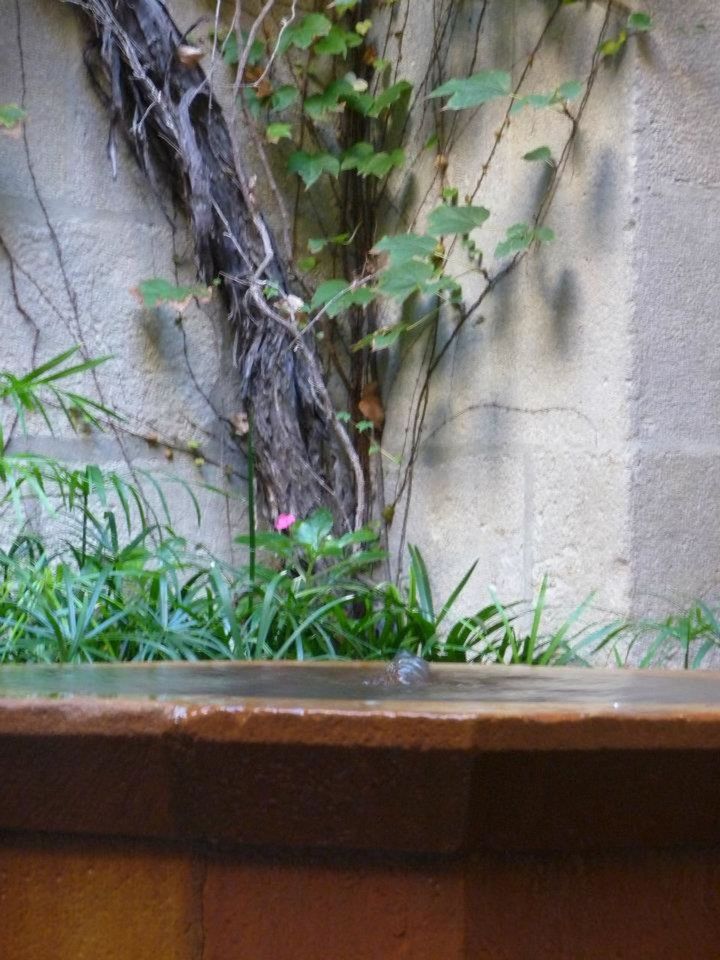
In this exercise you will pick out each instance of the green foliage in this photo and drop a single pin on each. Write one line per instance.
(336, 296)
(561, 95)
(302, 33)
(543, 154)
(231, 51)
(637, 22)
(449, 219)
(369, 162)
(475, 90)
(96, 594)
(686, 639)
(11, 115)
(311, 166)
(520, 236)
(156, 292)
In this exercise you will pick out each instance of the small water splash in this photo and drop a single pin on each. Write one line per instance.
(404, 670)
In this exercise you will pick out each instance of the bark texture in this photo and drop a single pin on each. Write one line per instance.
(177, 130)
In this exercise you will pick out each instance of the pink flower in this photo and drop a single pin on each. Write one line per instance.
(284, 521)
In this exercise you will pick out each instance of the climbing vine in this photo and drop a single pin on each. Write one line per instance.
(320, 121)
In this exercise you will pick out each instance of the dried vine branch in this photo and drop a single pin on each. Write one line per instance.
(179, 135)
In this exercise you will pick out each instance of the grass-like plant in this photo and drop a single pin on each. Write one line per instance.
(113, 581)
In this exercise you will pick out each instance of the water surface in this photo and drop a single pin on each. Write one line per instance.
(457, 687)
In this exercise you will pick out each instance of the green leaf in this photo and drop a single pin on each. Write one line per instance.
(388, 97)
(544, 234)
(311, 166)
(337, 295)
(611, 48)
(329, 100)
(640, 22)
(362, 426)
(250, 99)
(318, 244)
(357, 154)
(156, 291)
(306, 264)
(399, 282)
(475, 90)
(363, 158)
(314, 530)
(11, 115)
(520, 236)
(277, 132)
(283, 97)
(539, 153)
(387, 337)
(570, 90)
(342, 6)
(405, 247)
(305, 31)
(446, 219)
(231, 52)
(337, 42)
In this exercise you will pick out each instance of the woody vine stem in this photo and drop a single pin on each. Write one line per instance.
(321, 123)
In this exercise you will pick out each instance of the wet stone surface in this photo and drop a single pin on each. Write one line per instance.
(404, 679)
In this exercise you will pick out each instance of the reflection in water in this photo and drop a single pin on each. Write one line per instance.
(460, 685)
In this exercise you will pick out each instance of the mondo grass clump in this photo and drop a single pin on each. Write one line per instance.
(105, 577)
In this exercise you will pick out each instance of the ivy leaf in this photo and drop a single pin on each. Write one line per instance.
(388, 97)
(329, 99)
(405, 247)
(446, 219)
(611, 48)
(304, 32)
(342, 6)
(380, 164)
(311, 532)
(444, 283)
(318, 244)
(311, 166)
(277, 132)
(639, 22)
(363, 27)
(539, 153)
(475, 90)
(337, 295)
(357, 154)
(399, 282)
(250, 99)
(387, 337)
(520, 236)
(231, 51)
(11, 115)
(306, 264)
(570, 90)
(154, 292)
(337, 42)
(362, 157)
(283, 97)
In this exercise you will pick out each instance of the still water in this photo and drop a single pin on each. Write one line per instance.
(461, 687)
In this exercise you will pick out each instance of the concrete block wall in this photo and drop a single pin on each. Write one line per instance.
(573, 429)
(77, 234)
